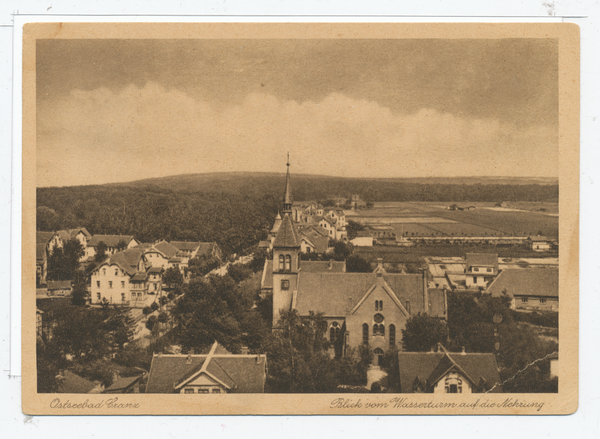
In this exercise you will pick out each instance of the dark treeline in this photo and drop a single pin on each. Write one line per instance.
(235, 210)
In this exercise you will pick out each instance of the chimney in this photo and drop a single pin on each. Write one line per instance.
(425, 293)
(463, 351)
(244, 350)
(330, 264)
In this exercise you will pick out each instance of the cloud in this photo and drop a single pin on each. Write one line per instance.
(101, 136)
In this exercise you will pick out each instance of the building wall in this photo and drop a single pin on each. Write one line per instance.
(156, 259)
(366, 314)
(203, 384)
(452, 378)
(120, 284)
(532, 302)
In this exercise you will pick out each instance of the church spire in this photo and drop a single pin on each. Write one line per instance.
(287, 196)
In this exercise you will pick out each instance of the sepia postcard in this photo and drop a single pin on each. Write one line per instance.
(294, 218)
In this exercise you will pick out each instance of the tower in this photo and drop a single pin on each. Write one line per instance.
(286, 256)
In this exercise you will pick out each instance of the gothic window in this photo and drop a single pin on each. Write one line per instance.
(281, 263)
(378, 318)
(392, 335)
(365, 334)
(379, 305)
(288, 263)
(334, 332)
(379, 329)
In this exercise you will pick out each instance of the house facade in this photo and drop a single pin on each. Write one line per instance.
(480, 269)
(539, 243)
(114, 243)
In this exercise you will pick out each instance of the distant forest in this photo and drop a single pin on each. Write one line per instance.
(236, 210)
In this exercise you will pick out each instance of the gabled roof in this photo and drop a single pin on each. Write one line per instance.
(240, 373)
(320, 243)
(166, 249)
(73, 383)
(482, 259)
(185, 246)
(323, 266)
(154, 270)
(139, 277)
(43, 237)
(206, 248)
(287, 236)
(127, 260)
(526, 282)
(123, 383)
(336, 294)
(109, 240)
(430, 367)
(67, 234)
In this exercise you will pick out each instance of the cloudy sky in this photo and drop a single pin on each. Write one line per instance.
(122, 110)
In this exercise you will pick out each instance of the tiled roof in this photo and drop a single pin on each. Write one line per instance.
(241, 373)
(482, 259)
(123, 383)
(206, 248)
(336, 294)
(437, 303)
(287, 236)
(175, 259)
(139, 277)
(185, 245)
(429, 367)
(526, 282)
(322, 267)
(127, 260)
(109, 240)
(72, 383)
(155, 270)
(59, 284)
(267, 277)
(40, 252)
(43, 237)
(166, 249)
(320, 243)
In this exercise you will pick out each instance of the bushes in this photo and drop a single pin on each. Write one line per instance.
(548, 319)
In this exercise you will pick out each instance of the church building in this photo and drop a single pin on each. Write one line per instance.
(360, 308)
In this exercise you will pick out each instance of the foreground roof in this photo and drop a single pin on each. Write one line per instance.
(526, 282)
(429, 367)
(238, 373)
(73, 383)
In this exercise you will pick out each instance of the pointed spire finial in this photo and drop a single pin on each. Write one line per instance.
(288, 159)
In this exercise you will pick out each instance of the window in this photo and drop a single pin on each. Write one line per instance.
(110, 284)
(288, 263)
(379, 305)
(474, 279)
(475, 269)
(139, 296)
(489, 270)
(334, 332)
(116, 271)
(122, 284)
(392, 335)
(378, 329)
(524, 299)
(285, 284)
(216, 390)
(281, 263)
(98, 283)
(133, 296)
(188, 390)
(123, 297)
(104, 271)
(365, 334)
(202, 390)
(542, 300)
(98, 296)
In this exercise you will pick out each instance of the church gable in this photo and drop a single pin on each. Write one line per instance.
(381, 293)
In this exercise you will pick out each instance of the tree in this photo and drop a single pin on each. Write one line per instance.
(163, 317)
(121, 245)
(63, 263)
(79, 295)
(162, 300)
(151, 322)
(173, 277)
(422, 333)
(154, 306)
(147, 310)
(100, 255)
(47, 219)
(341, 250)
(352, 228)
(238, 272)
(356, 264)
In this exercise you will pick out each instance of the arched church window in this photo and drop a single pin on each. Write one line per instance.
(392, 335)
(334, 332)
(365, 334)
(288, 263)
(281, 263)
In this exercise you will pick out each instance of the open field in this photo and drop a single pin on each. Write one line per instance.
(434, 219)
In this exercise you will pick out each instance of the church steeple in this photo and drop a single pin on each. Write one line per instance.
(287, 196)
